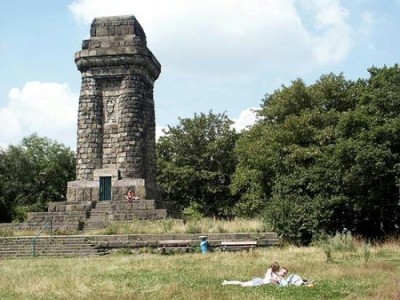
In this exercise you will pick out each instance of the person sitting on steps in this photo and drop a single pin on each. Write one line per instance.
(131, 196)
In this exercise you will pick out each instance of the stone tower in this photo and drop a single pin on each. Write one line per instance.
(116, 119)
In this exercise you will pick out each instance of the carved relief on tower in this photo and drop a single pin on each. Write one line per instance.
(110, 110)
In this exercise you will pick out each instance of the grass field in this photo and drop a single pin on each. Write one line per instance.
(204, 225)
(349, 273)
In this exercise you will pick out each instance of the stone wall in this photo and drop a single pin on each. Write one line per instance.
(116, 120)
(90, 129)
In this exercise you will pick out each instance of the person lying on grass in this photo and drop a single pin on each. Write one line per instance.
(271, 276)
(292, 279)
(275, 275)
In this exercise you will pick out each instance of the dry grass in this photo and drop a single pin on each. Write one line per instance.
(205, 225)
(11, 232)
(197, 276)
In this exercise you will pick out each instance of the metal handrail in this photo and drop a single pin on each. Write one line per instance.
(49, 224)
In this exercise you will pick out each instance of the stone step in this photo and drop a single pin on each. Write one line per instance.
(38, 242)
(140, 204)
(64, 244)
(38, 253)
(100, 212)
(103, 204)
(98, 217)
(101, 244)
(15, 253)
(38, 246)
(155, 214)
(58, 246)
(75, 246)
(101, 209)
(99, 206)
(94, 225)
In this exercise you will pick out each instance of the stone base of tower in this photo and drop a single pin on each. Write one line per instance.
(91, 204)
(108, 186)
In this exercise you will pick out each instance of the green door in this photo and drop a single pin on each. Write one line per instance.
(105, 188)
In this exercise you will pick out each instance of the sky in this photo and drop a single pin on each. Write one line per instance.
(219, 55)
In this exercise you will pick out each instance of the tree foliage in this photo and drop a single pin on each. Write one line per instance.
(33, 174)
(195, 162)
(325, 157)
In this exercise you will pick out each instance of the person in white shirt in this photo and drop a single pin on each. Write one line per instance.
(292, 279)
(271, 277)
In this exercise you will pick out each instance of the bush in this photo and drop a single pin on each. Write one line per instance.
(339, 242)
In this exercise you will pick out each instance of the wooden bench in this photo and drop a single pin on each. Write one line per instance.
(237, 245)
(185, 245)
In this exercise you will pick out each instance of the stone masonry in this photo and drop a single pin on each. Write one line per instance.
(116, 119)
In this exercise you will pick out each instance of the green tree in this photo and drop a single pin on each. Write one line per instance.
(195, 162)
(325, 157)
(33, 174)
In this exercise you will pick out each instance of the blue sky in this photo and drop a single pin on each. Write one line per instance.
(223, 55)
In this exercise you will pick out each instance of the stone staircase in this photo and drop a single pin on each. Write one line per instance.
(77, 216)
(67, 216)
(98, 216)
(47, 246)
(82, 245)
(138, 210)
(105, 211)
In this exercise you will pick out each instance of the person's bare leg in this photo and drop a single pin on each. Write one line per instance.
(232, 282)
(247, 283)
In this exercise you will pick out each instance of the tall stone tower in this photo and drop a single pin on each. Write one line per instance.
(116, 119)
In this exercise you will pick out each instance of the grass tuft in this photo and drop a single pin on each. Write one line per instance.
(206, 225)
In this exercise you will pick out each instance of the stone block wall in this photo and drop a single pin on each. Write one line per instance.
(90, 128)
(116, 119)
(81, 190)
(118, 27)
(86, 191)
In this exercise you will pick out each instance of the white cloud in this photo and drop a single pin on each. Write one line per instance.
(49, 109)
(233, 38)
(10, 127)
(159, 131)
(247, 118)
(368, 17)
(332, 39)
